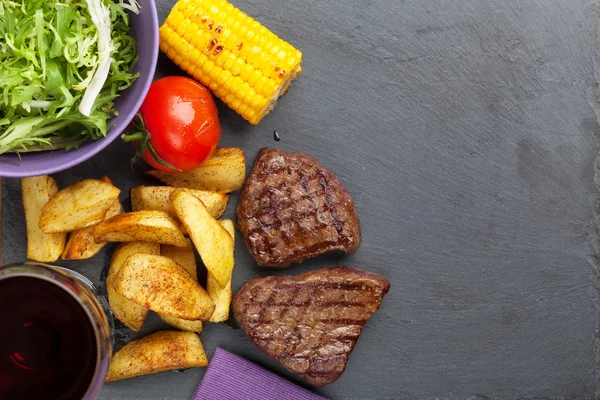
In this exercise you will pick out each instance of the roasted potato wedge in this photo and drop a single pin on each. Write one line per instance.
(81, 244)
(157, 352)
(36, 192)
(157, 198)
(82, 204)
(129, 313)
(224, 172)
(159, 284)
(221, 295)
(184, 256)
(212, 241)
(140, 226)
(122, 253)
(182, 324)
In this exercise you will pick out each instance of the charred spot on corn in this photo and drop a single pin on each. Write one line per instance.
(218, 50)
(212, 43)
(247, 66)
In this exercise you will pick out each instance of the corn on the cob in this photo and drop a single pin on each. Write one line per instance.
(242, 62)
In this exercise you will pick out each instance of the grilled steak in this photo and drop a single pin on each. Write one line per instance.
(292, 208)
(310, 322)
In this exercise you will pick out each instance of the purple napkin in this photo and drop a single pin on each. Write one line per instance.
(229, 377)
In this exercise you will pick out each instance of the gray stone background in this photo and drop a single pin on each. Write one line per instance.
(466, 132)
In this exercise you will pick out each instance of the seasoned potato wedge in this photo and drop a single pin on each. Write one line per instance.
(157, 198)
(224, 172)
(184, 256)
(35, 192)
(212, 241)
(157, 352)
(182, 324)
(129, 313)
(82, 204)
(159, 284)
(81, 244)
(221, 295)
(124, 250)
(140, 226)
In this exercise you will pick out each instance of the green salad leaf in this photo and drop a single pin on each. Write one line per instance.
(62, 65)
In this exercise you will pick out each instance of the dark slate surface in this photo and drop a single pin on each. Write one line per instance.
(466, 133)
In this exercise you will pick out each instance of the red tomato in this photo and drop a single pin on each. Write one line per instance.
(183, 123)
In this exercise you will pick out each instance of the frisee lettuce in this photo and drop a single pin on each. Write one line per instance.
(62, 64)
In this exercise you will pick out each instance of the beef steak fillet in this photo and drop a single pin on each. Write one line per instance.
(292, 208)
(310, 322)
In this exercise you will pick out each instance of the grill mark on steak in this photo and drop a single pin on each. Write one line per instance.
(320, 304)
(264, 310)
(342, 321)
(329, 202)
(291, 208)
(310, 322)
(329, 285)
(296, 337)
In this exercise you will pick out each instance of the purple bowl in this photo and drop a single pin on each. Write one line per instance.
(145, 30)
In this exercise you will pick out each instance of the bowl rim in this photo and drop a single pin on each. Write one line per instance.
(101, 144)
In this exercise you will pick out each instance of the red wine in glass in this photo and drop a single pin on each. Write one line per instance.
(48, 346)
